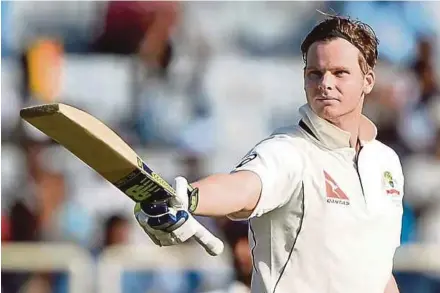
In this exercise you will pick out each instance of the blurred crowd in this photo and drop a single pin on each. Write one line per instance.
(192, 86)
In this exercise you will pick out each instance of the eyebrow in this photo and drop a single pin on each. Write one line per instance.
(335, 68)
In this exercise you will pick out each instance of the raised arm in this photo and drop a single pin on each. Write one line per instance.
(264, 180)
(228, 194)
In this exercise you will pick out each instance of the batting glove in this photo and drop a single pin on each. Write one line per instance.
(169, 222)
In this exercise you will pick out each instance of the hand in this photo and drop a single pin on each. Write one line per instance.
(168, 222)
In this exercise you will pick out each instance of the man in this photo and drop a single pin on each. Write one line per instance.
(323, 198)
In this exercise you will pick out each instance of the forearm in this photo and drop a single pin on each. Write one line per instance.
(224, 194)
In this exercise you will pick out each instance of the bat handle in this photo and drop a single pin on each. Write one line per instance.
(207, 240)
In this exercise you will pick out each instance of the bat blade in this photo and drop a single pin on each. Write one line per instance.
(86, 137)
(100, 148)
(103, 150)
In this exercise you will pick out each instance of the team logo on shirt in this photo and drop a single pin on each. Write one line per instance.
(334, 192)
(390, 184)
(246, 159)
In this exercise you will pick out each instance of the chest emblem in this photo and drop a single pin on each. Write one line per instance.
(334, 192)
(390, 184)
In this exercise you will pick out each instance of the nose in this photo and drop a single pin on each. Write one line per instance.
(327, 81)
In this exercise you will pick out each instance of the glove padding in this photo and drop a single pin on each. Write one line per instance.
(167, 223)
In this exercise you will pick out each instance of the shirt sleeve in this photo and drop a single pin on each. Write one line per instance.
(279, 168)
(401, 186)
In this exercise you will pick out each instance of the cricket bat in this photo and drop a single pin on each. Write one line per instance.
(103, 150)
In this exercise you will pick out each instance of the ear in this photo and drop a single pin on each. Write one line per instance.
(369, 80)
(304, 78)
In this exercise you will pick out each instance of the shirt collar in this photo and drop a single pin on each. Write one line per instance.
(332, 136)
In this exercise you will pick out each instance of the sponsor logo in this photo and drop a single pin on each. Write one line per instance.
(334, 192)
(390, 184)
(127, 178)
(143, 190)
(247, 159)
(161, 181)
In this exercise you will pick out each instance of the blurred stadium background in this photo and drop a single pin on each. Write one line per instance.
(192, 86)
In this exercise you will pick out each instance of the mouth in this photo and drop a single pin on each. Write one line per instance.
(326, 99)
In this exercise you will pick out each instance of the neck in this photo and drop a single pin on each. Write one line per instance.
(350, 123)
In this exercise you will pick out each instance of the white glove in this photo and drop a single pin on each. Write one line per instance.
(168, 223)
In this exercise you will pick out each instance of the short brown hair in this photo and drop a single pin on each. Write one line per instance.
(356, 32)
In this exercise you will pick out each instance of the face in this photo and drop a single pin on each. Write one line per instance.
(333, 80)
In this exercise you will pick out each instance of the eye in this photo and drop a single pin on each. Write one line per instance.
(314, 74)
(340, 73)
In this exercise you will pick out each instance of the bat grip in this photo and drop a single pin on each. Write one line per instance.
(208, 241)
(213, 245)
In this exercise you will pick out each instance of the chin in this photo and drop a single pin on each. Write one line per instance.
(329, 111)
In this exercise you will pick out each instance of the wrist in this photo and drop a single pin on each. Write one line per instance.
(193, 199)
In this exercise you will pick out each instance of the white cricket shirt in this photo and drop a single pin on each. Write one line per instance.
(326, 221)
